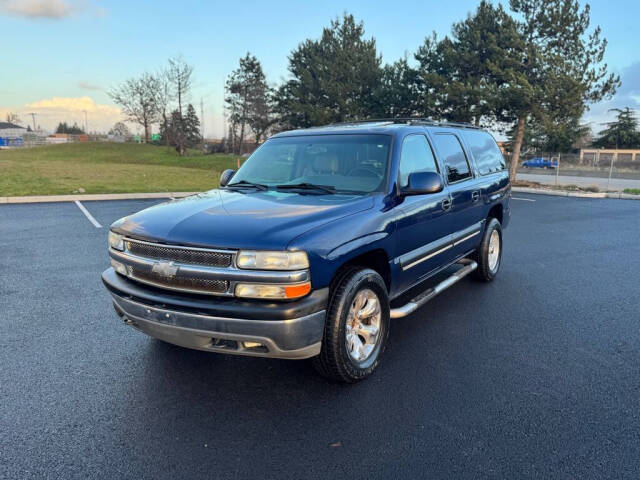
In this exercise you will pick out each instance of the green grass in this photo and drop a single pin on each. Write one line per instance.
(633, 191)
(107, 168)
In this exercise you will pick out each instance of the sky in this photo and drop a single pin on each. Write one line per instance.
(60, 57)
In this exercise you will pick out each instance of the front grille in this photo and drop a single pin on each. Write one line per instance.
(189, 256)
(197, 285)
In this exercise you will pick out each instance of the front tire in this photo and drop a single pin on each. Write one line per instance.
(356, 327)
(489, 253)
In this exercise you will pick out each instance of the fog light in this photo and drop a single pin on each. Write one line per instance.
(251, 344)
(119, 267)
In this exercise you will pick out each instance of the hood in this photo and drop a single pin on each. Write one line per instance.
(231, 219)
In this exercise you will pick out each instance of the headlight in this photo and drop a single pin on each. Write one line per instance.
(254, 290)
(262, 260)
(116, 241)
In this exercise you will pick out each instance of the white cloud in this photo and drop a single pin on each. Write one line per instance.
(53, 9)
(50, 111)
(628, 95)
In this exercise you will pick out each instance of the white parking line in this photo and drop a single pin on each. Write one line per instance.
(523, 199)
(88, 215)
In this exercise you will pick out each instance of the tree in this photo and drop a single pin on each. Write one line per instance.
(183, 131)
(63, 127)
(400, 91)
(561, 65)
(553, 137)
(333, 79)
(192, 127)
(13, 117)
(138, 99)
(119, 129)
(164, 98)
(179, 77)
(470, 71)
(247, 101)
(621, 133)
(177, 132)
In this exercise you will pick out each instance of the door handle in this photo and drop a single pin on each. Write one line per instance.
(446, 204)
(475, 196)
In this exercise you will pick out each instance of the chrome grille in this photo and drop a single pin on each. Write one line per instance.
(191, 284)
(190, 256)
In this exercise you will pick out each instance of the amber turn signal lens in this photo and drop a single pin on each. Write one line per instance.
(296, 291)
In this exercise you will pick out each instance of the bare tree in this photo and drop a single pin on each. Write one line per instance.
(164, 98)
(179, 76)
(13, 117)
(137, 97)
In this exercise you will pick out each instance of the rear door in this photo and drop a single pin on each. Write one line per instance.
(466, 216)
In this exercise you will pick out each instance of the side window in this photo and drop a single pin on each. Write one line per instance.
(416, 156)
(486, 152)
(453, 156)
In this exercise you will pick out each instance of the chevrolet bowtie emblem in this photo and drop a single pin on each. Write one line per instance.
(166, 269)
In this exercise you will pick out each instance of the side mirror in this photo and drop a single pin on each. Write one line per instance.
(226, 176)
(422, 183)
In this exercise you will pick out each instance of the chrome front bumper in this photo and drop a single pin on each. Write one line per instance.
(295, 338)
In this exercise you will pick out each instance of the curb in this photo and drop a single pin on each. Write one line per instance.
(567, 193)
(93, 197)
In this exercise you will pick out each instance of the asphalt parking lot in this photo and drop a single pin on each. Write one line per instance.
(536, 375)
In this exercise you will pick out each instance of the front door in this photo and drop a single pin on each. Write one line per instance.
(421, 228)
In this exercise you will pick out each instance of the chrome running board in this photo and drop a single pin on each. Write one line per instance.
(410, 307)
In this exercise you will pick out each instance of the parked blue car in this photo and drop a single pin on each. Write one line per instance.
(540, 162)
(300, 253)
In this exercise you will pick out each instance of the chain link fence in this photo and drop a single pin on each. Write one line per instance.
(594, 170)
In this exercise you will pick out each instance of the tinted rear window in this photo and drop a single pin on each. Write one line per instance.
(451, 153)
(485, 151)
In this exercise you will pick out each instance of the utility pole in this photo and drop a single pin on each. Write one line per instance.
(86, 125)
(202, 119)
(33, 117)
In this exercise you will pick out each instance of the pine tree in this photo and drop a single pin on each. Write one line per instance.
(622, 133)
(192, 127)
(248, 101)
(333, 79)
(561, 67)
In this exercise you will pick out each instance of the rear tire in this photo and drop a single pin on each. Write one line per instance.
(489, 253)
(356, 327)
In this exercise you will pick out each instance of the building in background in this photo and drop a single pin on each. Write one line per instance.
(11, 134)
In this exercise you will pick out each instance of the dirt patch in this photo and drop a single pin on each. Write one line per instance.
(541, 186)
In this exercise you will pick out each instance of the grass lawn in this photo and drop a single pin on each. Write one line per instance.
(634, 191)
(107, 168)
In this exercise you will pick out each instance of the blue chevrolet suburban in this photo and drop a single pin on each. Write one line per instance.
(316, 243)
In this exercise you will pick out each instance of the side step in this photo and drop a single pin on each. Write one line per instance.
(410, 307)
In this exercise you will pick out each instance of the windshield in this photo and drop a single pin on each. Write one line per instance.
(346, 163)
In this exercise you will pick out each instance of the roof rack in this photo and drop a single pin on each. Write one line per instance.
(410, 121)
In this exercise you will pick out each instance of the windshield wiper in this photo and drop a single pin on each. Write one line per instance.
(245, 183)
(307, 186)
